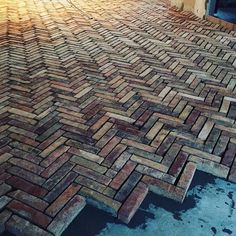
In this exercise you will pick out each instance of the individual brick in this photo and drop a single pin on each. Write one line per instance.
(209, 166)
(4, 200)
(101, 201)
(132, 203)
(4, 157)
(84, 181)
(232, 174)
(127, 187)
(164, 189)
(87, 155)
(60, 187)
(103, 179)
(221, 145)
(144, 154)
(206, 130)
(60, 202)
(26, 186)
(122, 175)
(113, 155)
(4, 216)
(187, 176)
(4, 188)
(138, 145)
(178, 164)
(149, 163)
(29, 199)
(29, 176)
(88, 164)
(29, 213)
(229, 155)
(155, 173)
(20, 226)
(201, 154)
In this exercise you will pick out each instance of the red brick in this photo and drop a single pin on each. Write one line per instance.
(133, 202)
(31, 214)
(123, 174)
(26, 186)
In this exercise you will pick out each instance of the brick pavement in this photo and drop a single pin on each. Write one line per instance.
(102, 101)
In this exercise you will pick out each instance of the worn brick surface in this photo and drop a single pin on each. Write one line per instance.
(108, 100)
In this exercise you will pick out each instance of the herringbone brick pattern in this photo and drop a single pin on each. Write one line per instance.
(102, 101)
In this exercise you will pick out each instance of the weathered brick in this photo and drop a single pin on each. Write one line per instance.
(109, 146)
(60, 187)
(29, 199)
(88, 164)
(122, 175)
(84, 181)
(53, 156)
(29, 213)
(133, 202)
(60, 202)
(4, 200)
(179, 162)
(22, 227)
(187, 175)
(58, 175)
(26, 165)
(210, 166)
(101, 201)
(138, 145)
(103, 179)
(113, 155)
(55, 165)
(29, 176)
(155, 173)
(4, 216)
(26, 186)
(127, 187)
(201, 154)
(87, 155)
(229, 155)
(149, 163)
